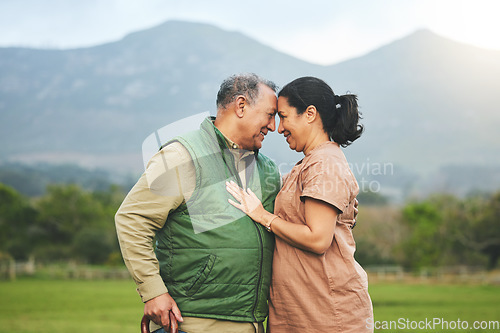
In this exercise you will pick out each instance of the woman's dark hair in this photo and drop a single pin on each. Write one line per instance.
(339, 114)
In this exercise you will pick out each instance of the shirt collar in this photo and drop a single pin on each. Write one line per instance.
(229, 143)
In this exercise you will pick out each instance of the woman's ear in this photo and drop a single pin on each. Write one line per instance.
(241, 102)
(311, 113)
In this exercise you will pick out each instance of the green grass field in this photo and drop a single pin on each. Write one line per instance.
(414, 304)
(51, 306)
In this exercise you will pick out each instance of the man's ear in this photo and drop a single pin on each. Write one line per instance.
(240, 102)
(311, 113)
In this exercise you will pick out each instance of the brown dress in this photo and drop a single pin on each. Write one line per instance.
(311, 292)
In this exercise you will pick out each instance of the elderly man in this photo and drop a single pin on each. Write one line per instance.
(210, 264)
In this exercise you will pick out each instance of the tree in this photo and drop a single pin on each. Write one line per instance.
(63, 212)
(16, 223)
(93, 245)
(422, 220)
(492, 230)
(372, 198)
(78, 224)
(444, 230)
(478, 227)
(427, 242)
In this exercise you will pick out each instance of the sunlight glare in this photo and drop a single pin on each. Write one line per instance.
(473, 22)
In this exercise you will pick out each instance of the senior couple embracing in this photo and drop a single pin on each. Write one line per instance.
(214, 236)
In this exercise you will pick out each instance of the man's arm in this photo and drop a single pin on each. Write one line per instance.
(143, 212)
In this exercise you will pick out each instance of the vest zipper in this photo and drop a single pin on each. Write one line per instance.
(261, 249)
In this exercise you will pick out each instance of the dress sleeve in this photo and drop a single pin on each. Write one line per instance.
(325, 180)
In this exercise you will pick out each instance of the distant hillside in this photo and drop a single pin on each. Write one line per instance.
(105, 100)
(427, 102)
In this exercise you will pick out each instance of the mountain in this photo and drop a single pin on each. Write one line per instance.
(105, 100)
(427, 102)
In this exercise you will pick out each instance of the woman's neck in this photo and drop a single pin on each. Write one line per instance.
(315, 141)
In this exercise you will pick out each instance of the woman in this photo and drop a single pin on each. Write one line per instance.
(317, 286)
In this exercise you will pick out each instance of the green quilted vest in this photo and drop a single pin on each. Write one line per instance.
(215, 261)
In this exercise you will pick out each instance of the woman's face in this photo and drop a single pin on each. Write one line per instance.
(292, 125)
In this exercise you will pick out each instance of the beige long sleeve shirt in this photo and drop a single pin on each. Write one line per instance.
(169, 177)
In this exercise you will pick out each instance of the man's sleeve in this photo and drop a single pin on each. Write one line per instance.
(160, 190)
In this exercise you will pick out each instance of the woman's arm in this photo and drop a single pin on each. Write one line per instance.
(315, 236)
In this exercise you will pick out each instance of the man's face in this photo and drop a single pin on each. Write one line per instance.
(259, 118)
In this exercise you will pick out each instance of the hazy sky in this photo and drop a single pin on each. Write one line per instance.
(319, 31)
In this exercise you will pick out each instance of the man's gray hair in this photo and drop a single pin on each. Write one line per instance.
(241, 84)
